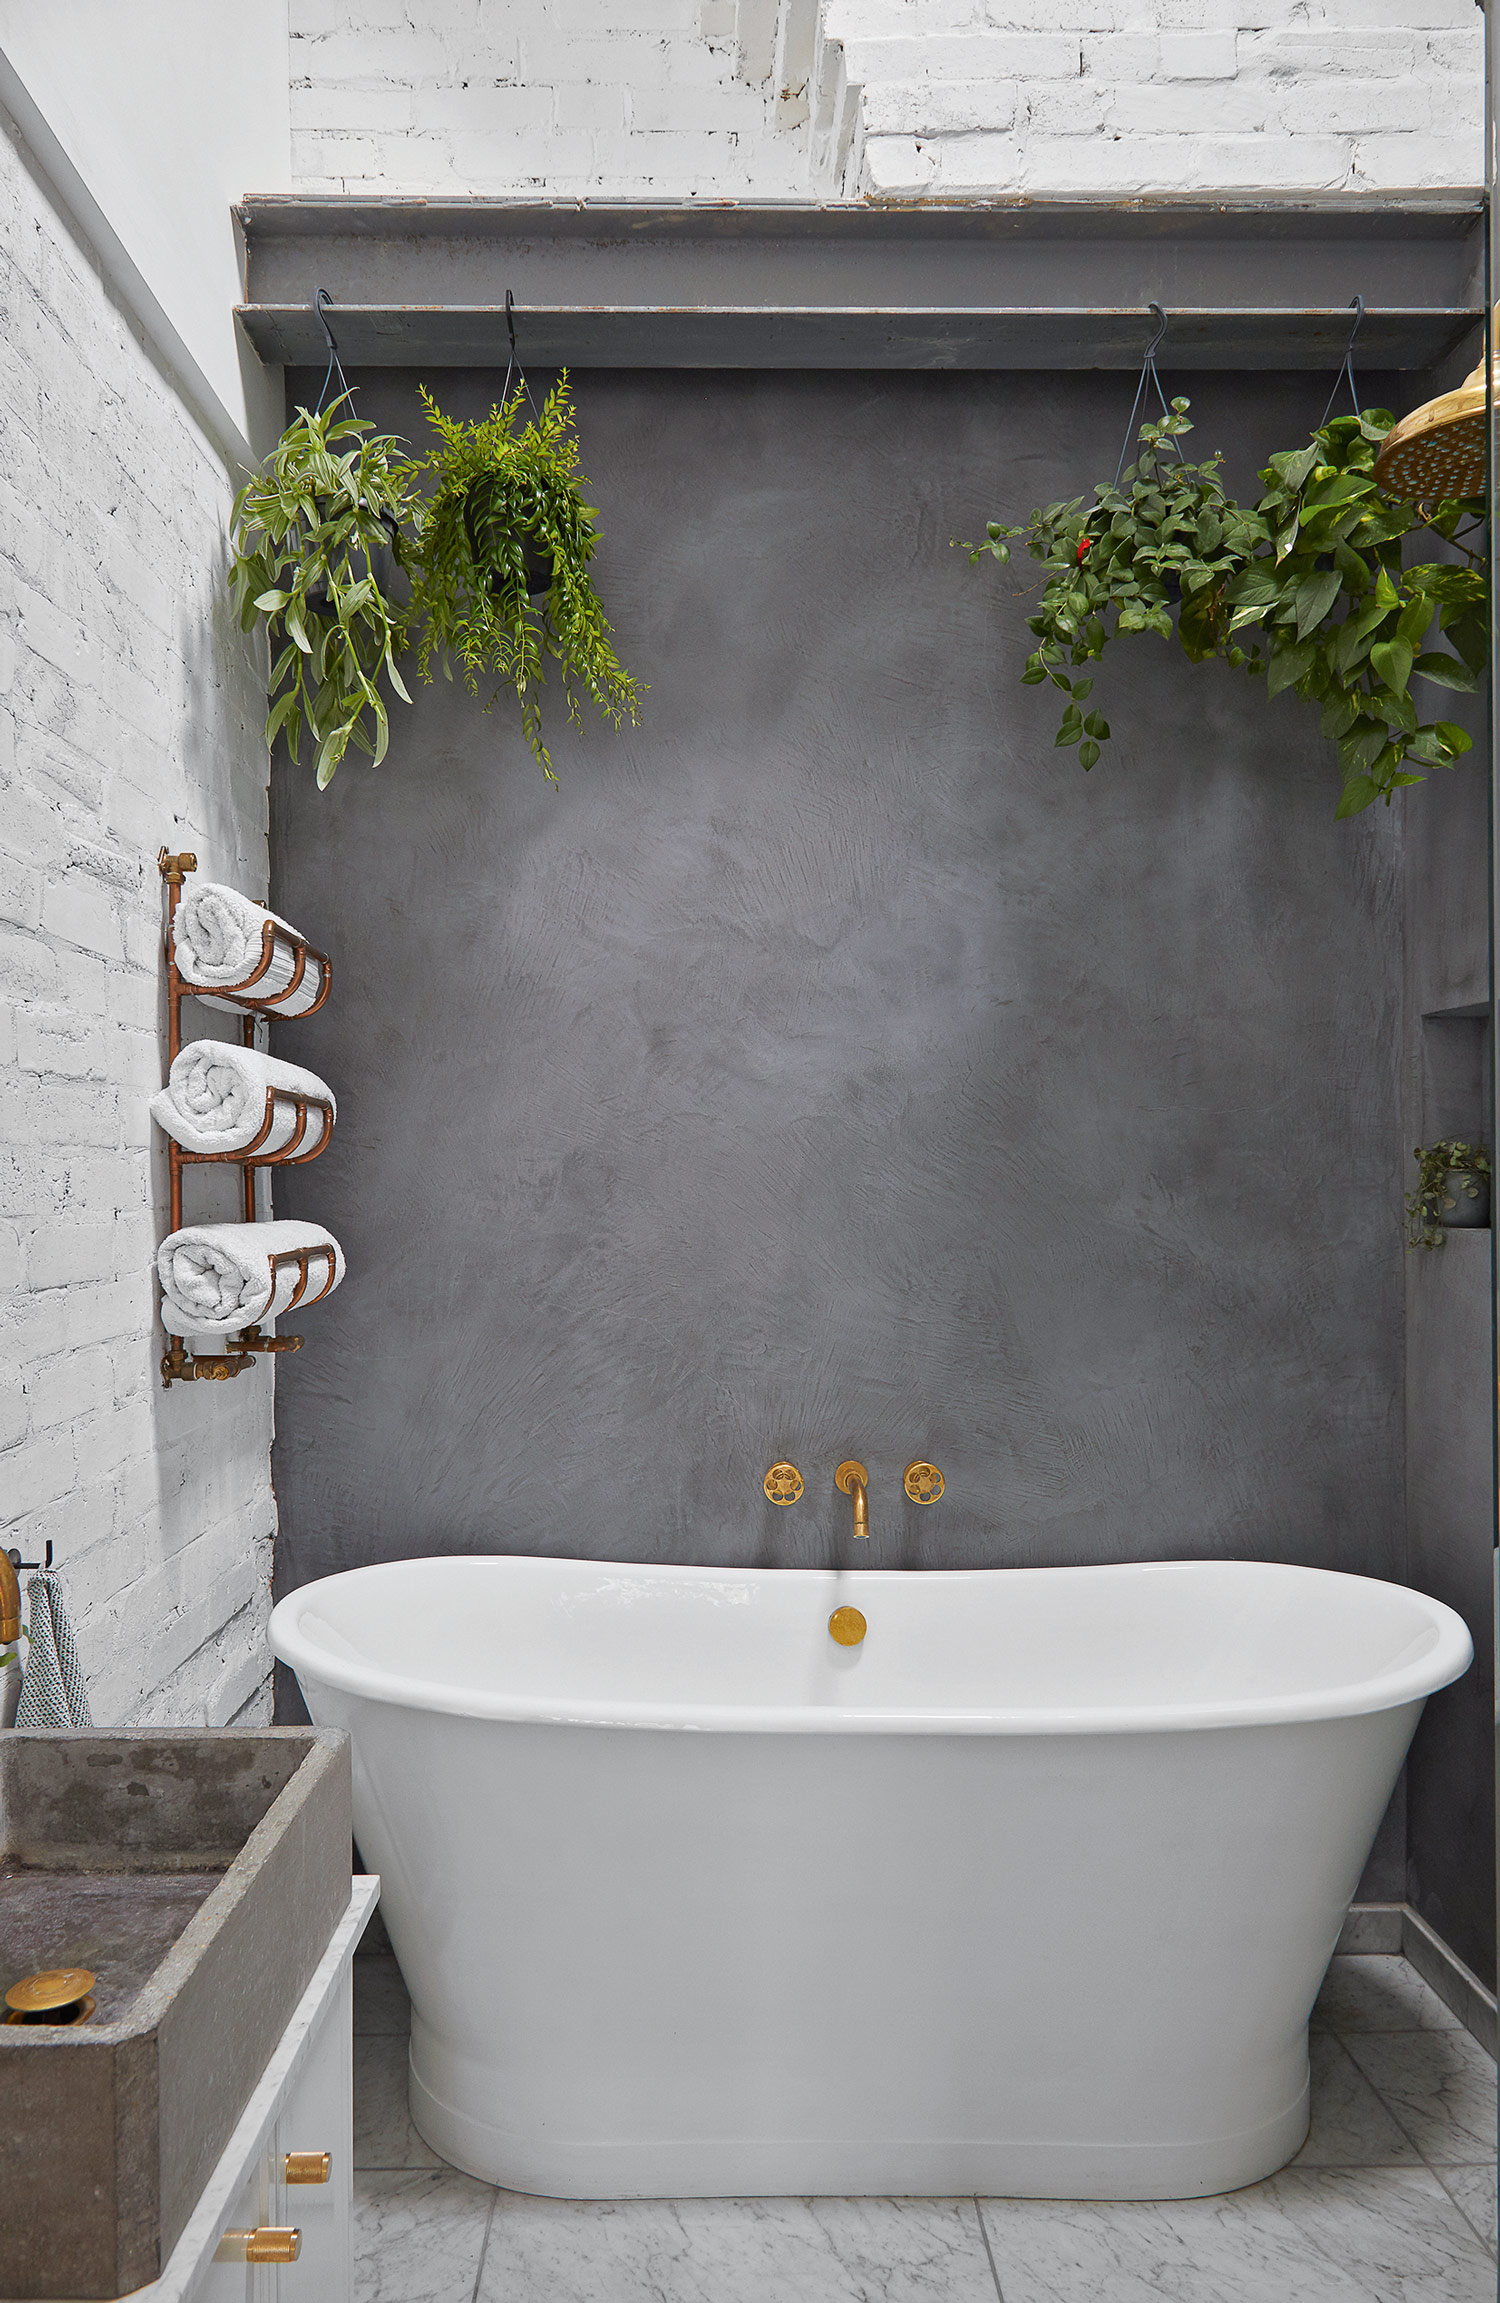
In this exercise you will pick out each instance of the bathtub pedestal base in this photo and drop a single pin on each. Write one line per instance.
(759, 2167)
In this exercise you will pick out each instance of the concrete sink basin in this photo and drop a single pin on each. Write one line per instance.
(198, 1873)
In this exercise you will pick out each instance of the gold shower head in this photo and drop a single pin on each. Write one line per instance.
(1440, 450)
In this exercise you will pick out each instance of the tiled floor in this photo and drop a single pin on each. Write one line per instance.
(1392, 2200)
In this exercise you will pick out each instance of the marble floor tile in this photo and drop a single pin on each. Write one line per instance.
(1379, 1994)
(1473, 2189)
(1351, 2127)
(1440, 2085)
(383, 2133)
(1388, 2235)
(418, 2235)
(736, 2251)
(380, 2000)
(1236, 2250)
(1393, 2229)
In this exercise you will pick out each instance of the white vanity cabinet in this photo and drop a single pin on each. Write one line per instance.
(302, 2108)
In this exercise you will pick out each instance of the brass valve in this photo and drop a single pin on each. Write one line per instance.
(782, 1483)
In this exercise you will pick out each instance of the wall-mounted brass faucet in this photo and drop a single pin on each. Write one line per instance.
(10, 1601)
(12, 1568)
(853, 1479)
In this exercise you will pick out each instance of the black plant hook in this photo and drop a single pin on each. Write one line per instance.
(510, 329)
(513, 365)
(1358, 309)
(1148, 370)
(322, 305)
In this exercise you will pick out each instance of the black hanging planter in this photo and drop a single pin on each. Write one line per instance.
(1463, 1200)
(383, 564)
(489, 524)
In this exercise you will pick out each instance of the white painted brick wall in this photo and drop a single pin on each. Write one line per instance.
(965, 97)
(130, 713)
(897, 98)
(621, 99)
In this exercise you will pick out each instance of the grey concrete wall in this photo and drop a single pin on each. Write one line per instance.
(1449, 1360)
(831, 1067)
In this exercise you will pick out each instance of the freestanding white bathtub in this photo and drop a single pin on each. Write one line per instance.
(1029, 1894)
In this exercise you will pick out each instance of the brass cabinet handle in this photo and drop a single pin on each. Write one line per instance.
(308, 2166)
(272, 2243)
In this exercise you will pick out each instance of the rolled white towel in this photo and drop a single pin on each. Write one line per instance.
(215, 1100)
(218, 1277)
(218, 938)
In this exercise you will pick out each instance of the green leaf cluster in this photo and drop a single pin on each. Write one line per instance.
(506, 496)
(1307, 589)
(1433, 1199)
(305, 532)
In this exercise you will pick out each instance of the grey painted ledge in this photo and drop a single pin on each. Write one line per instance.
(1252, 281)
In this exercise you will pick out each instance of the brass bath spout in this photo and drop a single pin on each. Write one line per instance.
(853, 1479)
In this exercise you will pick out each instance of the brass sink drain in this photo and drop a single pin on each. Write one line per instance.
(57, 1995)
(847, 1626)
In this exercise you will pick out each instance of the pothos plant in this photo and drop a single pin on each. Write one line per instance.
(501, 559)
(1443, 1169)
(1306, 589)
(307, 533)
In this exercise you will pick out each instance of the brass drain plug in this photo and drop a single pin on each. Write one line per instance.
(57, 1995)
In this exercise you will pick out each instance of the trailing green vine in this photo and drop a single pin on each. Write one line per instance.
(1306, 589)
(502, 555)
(306, 531)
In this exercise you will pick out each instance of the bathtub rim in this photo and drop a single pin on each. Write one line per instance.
(1445, 1662)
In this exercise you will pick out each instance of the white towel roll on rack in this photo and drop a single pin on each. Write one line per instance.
(218, 938)
(215, 1103)
(219, 1277)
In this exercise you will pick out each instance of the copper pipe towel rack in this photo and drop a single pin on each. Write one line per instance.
(179, 1365)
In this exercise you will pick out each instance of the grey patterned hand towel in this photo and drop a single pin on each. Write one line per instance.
(52, 1689)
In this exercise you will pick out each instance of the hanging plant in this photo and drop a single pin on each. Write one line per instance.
(501, 561)
(313, 534)
(1453, 1191)
(1306, 589)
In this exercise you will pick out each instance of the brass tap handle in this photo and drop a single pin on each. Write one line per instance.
(271, 2243)
(923, 1482)
(783, 1483)
(852, 1479)
(308, 2167)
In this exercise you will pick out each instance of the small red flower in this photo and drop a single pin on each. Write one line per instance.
(1083, 547)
